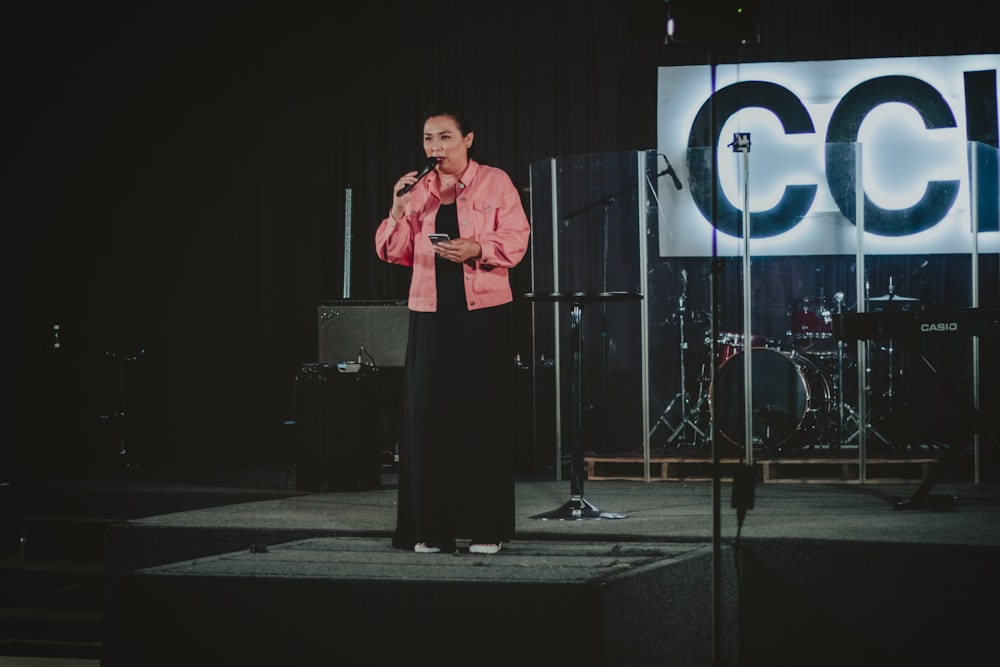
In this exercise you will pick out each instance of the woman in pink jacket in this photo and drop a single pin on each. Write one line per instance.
(456, 477)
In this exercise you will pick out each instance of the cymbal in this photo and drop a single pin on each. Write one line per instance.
(893, 297)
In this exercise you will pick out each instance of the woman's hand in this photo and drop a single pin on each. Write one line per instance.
(399, 201)
(458, 250)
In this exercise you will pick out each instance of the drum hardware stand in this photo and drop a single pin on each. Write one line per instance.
(892, 414)
(120, 414)
(890, 393)
(839, 299)
(682, 397)
(853, 416)
(891, 299)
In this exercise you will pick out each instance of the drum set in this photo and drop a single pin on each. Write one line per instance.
(803, 384)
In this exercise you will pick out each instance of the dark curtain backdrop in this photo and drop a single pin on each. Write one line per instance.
(175, 177)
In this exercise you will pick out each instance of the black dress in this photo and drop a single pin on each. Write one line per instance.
(456, 476)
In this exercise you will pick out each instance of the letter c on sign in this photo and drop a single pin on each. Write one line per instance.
(845, 123)
(796, 200)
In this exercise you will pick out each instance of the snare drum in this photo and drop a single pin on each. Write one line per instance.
(730, 344)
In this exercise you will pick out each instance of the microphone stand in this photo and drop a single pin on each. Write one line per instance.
(717, 659)
(607, 201)
(742, 498)
(123, 361)
(682, 396)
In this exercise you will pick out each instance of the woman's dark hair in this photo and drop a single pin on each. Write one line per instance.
(453, 110)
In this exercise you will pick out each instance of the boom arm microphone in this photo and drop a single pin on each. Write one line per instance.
(670, 171)
(427, 168)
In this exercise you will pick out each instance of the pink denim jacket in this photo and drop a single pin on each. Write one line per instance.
(489, 211)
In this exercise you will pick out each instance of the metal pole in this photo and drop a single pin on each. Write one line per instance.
(348, 207)
(743, 146)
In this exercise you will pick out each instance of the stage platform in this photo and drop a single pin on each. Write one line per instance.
(818, 574)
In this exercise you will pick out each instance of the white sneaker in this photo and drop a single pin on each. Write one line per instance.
(485, 548)
(422, 548)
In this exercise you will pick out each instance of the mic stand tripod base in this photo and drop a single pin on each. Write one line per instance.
(125, 461)
(578, 508)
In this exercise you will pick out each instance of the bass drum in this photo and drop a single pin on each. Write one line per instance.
(790, 398)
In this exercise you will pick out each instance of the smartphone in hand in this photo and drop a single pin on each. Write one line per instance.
(437, 238)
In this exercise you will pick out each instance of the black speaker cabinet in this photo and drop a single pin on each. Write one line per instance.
(378, 327)
(337, 429)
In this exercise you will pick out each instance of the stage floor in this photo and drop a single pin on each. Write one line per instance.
(664, 511)
(813, 553)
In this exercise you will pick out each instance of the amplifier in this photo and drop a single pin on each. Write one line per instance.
(379, 328)
(337, 423)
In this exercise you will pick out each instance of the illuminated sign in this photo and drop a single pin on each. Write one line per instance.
(907, 134)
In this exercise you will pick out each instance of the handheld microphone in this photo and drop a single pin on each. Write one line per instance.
(427, 168)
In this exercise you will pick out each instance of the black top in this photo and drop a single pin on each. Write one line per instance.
(449, 275)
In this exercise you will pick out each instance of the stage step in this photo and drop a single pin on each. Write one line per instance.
(52, 609)
(358, 601)
(53, 533)
(52, 578)
(800, 470)
(51, 633)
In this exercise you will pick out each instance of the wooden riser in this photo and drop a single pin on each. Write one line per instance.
(688, 469)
